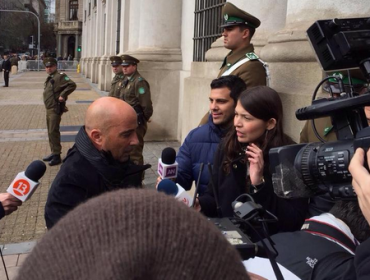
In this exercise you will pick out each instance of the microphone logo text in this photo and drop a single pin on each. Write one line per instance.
(171, 171)
(21, 187)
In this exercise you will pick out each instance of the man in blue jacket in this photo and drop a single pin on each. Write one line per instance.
(201, 143)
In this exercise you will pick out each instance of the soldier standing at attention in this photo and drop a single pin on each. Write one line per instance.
(56, 90)
(241, 61)
(117, 81)
(238, 30)
(136, 92)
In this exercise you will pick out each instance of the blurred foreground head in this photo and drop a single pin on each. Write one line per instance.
(133, 234)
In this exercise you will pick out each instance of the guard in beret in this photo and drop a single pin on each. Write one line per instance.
(56, 90)
(136, 92)
(117, 81)
(238, 30)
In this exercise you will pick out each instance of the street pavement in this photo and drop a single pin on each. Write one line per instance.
(23, 138)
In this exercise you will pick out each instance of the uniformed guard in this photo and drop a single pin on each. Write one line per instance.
(117, 81)
(238, 30)
(56, 90)
(136, 92)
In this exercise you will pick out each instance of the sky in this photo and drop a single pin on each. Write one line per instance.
(52, 6)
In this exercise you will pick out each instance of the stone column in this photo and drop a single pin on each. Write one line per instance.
(59, 41)
(294, 69)
(76, 55)
(108, 39)
(155, 39)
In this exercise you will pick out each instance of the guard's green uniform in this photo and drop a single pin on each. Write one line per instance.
(323, 126)
(251, 72)
(116, 85)
(63, 86)
(136, 92)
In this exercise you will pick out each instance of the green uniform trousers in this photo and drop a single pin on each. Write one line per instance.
(53, 125)
(137, 154)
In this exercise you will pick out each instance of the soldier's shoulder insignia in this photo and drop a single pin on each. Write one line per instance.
(141, 90)
(66, 78)
(327, 130)
(140, 79)
(251, 56)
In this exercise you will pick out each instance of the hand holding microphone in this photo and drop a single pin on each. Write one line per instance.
(9, 202)
(25, 183)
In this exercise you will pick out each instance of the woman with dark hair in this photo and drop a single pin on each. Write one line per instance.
(241, 163)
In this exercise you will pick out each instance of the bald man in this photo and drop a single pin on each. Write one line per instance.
(99, 161)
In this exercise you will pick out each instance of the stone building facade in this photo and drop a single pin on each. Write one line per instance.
(160, 33)
(68, 27)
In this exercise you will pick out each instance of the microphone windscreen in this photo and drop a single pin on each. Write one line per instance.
(168, 187)
(35, 170)
(168, 155)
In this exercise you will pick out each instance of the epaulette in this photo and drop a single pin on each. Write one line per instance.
(252, 56)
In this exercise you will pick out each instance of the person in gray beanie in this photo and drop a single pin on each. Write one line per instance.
(133, 234)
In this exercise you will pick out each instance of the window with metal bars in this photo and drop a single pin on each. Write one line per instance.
(207, 21)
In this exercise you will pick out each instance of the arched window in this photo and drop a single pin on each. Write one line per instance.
(73, 9)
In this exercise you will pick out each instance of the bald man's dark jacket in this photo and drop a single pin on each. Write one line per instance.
(86, 173)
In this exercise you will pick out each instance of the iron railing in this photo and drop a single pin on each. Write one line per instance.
(31, 65)
(206, 26)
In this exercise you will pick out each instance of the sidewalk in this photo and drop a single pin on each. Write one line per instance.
(23, 138)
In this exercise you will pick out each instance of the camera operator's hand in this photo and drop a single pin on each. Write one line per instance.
(361, 181)
(9, 202)
(256, 163)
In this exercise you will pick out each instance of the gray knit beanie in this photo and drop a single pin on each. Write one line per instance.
(133, 234)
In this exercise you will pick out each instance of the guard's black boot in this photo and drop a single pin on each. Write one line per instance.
(55, 160)
(48, 158)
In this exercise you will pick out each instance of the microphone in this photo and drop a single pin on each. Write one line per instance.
(167, 165)
(170, 188)
(25, 183)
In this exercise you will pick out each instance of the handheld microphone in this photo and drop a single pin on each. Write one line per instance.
(170, 188)
(25, 183)
(167, 165)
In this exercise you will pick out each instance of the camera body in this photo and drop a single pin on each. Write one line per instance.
(306, 170)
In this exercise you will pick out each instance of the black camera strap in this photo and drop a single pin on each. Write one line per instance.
(330, 232)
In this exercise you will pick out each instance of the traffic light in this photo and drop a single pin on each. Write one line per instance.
(32, 44)
(79, 48)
